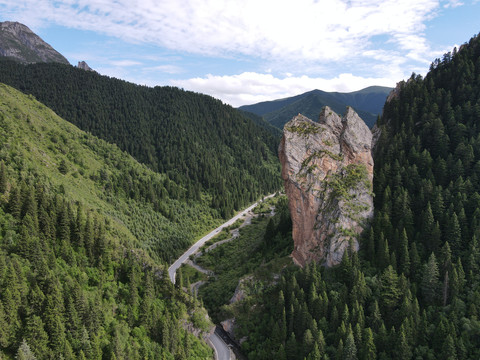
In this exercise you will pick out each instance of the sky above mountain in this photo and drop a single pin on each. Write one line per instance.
(248, 51)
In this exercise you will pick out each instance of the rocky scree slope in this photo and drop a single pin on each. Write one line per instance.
(327, 168)
(19, 43)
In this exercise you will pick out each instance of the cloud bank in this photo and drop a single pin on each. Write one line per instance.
(306, 30)
(327, 40)
(250, 88)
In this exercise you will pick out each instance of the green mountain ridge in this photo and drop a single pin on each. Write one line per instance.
(85, 231)
(199, 142)
(143, 205)
(413, 289)
(368, 103)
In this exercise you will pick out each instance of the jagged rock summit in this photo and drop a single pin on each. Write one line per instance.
(84, 66)
(19, 43)
(327, 167)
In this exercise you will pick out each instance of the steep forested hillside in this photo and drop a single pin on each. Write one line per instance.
(196, 140)
(368, 103)
(413, 291)
(148, 209)
(75, 213)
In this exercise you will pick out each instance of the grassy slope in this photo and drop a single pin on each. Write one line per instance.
(195, 139)
(41, 141)
(33, 143)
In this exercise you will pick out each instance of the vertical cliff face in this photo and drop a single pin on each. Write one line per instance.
(327, 167)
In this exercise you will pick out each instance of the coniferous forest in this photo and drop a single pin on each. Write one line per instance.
(79, 276)
(413, 290)
(88, 228)
(200, 143)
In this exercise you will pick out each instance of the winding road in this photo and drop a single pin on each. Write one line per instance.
(222, 351)
(172, 270)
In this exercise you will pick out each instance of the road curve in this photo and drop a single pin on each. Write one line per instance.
(174, 267)
(222, 351)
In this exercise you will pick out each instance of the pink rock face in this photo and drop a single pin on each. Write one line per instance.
(327, 167)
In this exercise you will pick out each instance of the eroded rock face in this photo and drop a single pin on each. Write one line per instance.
(327, 167)
(18, 42)
(84, 66)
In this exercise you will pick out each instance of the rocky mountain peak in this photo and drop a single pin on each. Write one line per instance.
(330, 118)
(327, 168)
(19, 43)
(84, 66)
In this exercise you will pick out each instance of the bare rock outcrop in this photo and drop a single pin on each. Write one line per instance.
(327, 167)
(395, 93)
(18, 42)
(84, 66)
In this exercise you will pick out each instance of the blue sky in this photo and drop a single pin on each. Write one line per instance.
(246, 51)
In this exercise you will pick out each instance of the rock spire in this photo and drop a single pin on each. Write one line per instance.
(327, 168)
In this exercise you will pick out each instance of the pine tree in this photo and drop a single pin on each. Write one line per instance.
(448, 349)
(281, 354)
(3, 177)
(390, 291)
(428, 229)
(339, 352)
(350, 350)
(308, 342)
(404, 254)
(369, 351)
(24, 352)
(474, 257)
(403, 350)
(36, 336)
(430, 280)
(415, 262)
(291, 347)
(453, 233)
(376, 317)
(370, 248)
(15, 202)
(315, 353)
(4, 340)
(321, 343)
(269, 234)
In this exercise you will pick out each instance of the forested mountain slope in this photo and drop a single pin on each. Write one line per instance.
(147, 209)
(196, 140)
(368, 103)
(75, 213)
(413, 291)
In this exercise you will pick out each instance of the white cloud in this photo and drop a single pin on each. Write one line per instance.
(453, 4)
(343, 45)
(125, 63)
(167, 68)
(306, 30)
(250, 87)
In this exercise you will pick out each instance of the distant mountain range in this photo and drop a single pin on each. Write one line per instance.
(368, 103)
(19, 43)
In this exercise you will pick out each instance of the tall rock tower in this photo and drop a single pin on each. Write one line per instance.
(327, 167)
